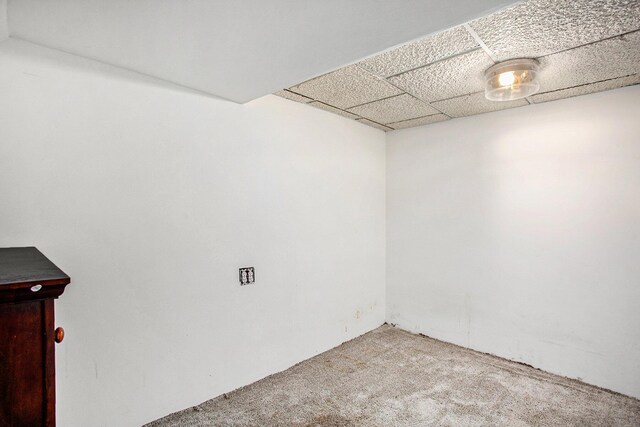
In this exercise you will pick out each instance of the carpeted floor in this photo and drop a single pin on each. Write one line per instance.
(390, 377)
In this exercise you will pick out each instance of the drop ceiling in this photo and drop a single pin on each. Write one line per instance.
(583, 46)
(234, 49)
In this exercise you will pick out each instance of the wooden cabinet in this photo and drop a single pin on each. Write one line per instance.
(29, 284)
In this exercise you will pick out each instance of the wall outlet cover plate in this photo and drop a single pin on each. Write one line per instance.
(247, 276)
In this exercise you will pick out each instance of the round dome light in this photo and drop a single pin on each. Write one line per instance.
(513, 79)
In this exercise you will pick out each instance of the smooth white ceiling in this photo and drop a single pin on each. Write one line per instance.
(235, 49)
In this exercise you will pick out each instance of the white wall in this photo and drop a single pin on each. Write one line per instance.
(4, 30)
(516, 238)
(151, 197)
(518, 233)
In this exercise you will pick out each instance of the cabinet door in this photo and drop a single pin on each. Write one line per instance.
(26, 360)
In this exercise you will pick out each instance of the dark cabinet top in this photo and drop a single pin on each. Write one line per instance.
(26, 274)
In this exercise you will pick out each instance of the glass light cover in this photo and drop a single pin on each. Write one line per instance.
(513, 79)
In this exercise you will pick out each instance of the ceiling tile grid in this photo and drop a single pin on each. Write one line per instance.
(540, 27)
(332, 109)
(347, 87)
(607, 59)
(394, 109)
(374, 124)
(292, 96)
(420, 121)
(419, 53)
(474, 103)
(586, 89)
(583, 46)
(447, 78)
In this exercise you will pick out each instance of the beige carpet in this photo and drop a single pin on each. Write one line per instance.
(390, 377)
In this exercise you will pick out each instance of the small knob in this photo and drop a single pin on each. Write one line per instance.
(59, 335)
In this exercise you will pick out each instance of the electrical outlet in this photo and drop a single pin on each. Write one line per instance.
(247, 276)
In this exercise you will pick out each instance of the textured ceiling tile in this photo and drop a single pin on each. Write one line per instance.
(540, 27)
(346, 87)
(293, 96)
(420, 121)
(331, 109)
(451, 77)
(475, 103)
(608, 59)
(374, 124)
(586, 89)
(421, 52)
(401, 107)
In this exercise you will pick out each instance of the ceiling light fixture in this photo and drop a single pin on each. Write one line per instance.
(513, 79)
